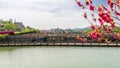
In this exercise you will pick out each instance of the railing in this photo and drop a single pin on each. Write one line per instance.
(62, 44)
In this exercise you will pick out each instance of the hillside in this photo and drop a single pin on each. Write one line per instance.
(9, 25)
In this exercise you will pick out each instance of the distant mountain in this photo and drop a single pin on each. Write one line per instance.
(81, 29)
(77, 29)
(87, 29)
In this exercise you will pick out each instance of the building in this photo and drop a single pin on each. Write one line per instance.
(57, 30)
(20, 25)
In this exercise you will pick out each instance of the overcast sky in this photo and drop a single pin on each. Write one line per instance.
(44, 14)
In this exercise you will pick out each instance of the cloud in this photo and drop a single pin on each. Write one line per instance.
(41, 5)
(44, 14)
(3, 4)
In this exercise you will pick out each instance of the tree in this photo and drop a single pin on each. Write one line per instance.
(109, 15)
(9, 26)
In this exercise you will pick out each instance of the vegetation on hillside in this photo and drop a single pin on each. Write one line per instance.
(7, 25)
(26, 30)
(117, 29)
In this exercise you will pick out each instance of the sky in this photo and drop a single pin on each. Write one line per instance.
(45, 14)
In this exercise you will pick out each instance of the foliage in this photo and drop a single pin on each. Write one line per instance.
(117, 29)
(9, 26)
(3, 37)
(26, 30)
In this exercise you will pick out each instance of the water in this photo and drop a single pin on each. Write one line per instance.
(59, 57)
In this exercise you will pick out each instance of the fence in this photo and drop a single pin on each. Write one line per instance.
(62, 44)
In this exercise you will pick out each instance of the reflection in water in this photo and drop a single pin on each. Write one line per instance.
(59, 57)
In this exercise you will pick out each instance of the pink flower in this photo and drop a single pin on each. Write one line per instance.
(100, 9)
(100, 19)
(117, 35)
(117, 13)
(92, 26)
(78, 3)
(94, 35)
(104, 7)
(87, 2)
(91, 1)
(85, 15)
(81, 39)
(101, 23)
(110, 29)
(107, 41)
(112, 24)
(100, 39)
(92, 7)
(108, 1)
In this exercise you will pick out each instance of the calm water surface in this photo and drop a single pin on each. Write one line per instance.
(59, 57)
